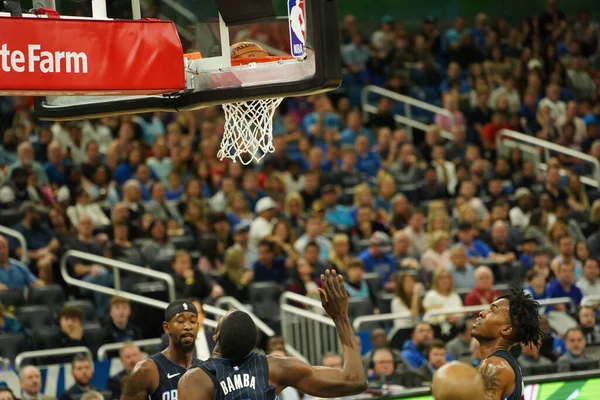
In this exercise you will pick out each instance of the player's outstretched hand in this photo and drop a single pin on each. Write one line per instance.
(334, 297)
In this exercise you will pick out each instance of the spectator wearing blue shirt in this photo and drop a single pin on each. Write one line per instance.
(269, 268)
(126, 169)
(455, 79)
(56, 165)
(313, 230)
(354, 128)
(563, 286)
(42, 244)
(414, 349)
(367, 161)
(377, 258)
(451, 38)
(25, 155)
(335, 214)
(251, 190)
(13, 275)
(480, 30)
(324, 117)
(528, 113)
(477, 250)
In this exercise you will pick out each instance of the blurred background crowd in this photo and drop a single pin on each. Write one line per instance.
(415, 222)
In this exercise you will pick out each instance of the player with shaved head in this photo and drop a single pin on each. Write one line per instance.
(457, 381)
(235, 372)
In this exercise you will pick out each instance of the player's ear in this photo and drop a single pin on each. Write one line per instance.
(166, 328)
(216, 337)
(507, 331)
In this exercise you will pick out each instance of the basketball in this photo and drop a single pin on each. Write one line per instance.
(247, 49)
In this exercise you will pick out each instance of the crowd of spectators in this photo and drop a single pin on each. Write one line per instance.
(439, 222)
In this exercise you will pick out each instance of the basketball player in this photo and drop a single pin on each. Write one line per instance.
(156, 377)
(234, 372)
(511, 319)
(457, 381)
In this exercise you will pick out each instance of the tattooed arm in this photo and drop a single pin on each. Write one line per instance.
(498, 378)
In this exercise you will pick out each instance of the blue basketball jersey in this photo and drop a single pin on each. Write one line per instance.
(247, 379)
(169, 374)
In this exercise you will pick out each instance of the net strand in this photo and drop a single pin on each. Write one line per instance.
(248, 132)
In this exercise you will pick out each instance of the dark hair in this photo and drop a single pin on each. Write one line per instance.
(524, 316)
(576, 329)
(312, 244)
(7, 389)
(267, 244)
(209, 248)
(70, 312)
(80, 357)
(237, 335)
(435, 344)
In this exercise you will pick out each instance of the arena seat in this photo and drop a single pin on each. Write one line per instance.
(373, 280)
(162, 264)
(52, 296)
(93, 335)
(264, 297)
(188, 243)
(88, 310)
(35, 317)
(47, 338)
(9, 217)
(584, 365)
(539, 369)
(11, 344)
(361, 306)
(384, 302)
(12, 298)
(149, 318)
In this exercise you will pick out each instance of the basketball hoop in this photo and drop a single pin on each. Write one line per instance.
(248, 130)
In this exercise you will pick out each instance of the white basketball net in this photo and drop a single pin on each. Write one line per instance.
(248, 130)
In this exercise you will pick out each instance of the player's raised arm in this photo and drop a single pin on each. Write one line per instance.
(139, 384)
(322, 381)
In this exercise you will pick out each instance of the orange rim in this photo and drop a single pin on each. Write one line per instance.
(235, 62)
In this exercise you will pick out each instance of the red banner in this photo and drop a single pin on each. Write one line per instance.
(40, 56)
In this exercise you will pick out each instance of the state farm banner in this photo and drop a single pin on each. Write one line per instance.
(40, 56)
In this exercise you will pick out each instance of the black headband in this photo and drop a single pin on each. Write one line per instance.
(179, 306)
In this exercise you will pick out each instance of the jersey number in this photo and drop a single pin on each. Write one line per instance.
(170, 395)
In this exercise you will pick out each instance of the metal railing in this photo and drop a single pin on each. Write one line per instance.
(472, 309)
(408, 102)
(51, 353)
(547, 147)
(590, 300)
(105, 348)
(116, 291)
(117, 266)
(228, 302)
(19, 236)
(501, 287)
(365, 319)
(187, 15)
(312, 334)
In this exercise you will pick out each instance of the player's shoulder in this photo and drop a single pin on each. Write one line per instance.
(145, 368)
(496, 367)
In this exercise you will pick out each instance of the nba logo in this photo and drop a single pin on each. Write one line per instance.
(185, 306)
(297, 28)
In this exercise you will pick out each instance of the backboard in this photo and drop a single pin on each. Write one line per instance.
(214, 79)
